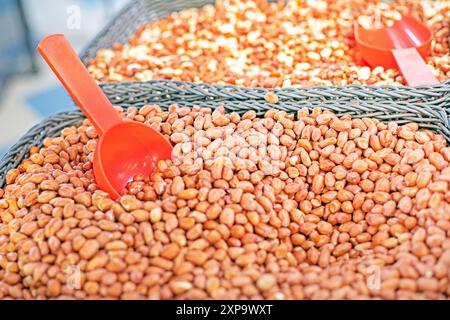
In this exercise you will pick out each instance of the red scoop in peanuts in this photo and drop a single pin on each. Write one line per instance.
(124, 149)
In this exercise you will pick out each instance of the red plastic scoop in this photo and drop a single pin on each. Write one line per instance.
(402, 46)
(124, 149)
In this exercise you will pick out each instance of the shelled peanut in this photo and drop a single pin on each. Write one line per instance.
(317, 207)
(255, 43)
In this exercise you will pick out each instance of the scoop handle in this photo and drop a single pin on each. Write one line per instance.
(413, 67)
(62, 59)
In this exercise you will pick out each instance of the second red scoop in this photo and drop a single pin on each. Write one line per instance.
(402, 46)
(124, 149)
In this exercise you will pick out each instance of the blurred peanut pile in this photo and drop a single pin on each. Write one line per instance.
(254, 43)
(316, 208)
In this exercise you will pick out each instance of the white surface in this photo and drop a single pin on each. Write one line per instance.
(47, 17)
(15, 116)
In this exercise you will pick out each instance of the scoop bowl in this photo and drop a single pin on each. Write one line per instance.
(376, 45)
(402, 46)
(125, 151)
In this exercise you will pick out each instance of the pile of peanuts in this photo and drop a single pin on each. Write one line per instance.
(254, 43)
(311, 207)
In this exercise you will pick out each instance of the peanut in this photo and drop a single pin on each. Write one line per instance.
(298, 215)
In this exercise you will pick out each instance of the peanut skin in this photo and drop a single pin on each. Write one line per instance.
(260, 43)
(278, 207)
